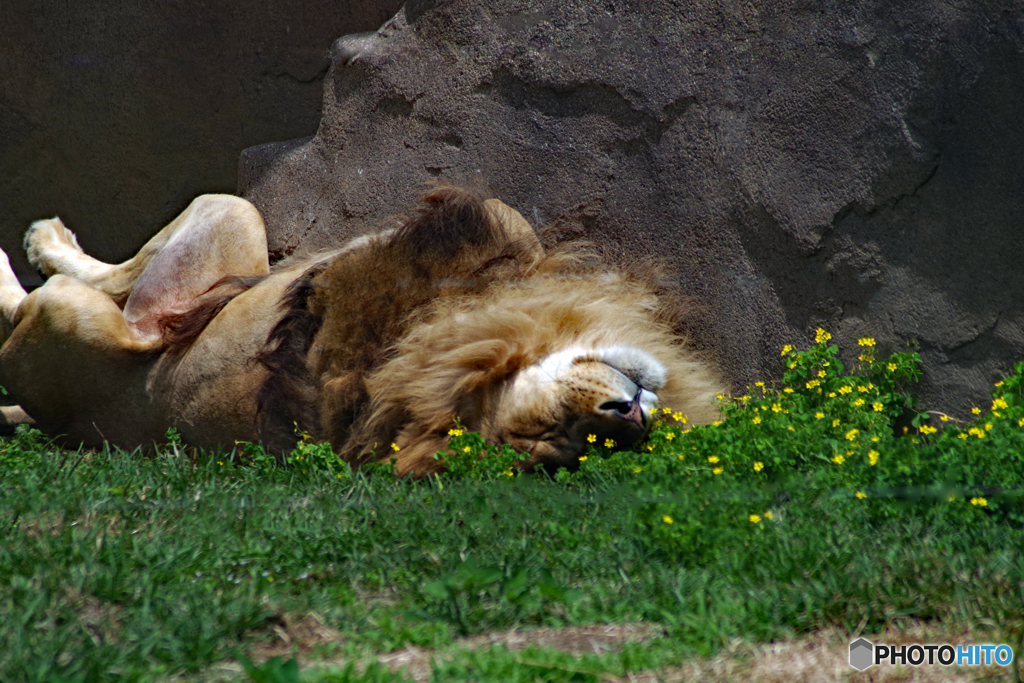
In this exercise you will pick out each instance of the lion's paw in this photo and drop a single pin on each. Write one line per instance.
(48, 244)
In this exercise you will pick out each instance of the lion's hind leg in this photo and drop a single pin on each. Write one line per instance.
(11, 296)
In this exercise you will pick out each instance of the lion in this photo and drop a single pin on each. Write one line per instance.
(457, 313)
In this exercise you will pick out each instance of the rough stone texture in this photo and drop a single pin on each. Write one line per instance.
(855, 166)
(114, 115)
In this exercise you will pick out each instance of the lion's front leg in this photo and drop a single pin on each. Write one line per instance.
(54, 250)
(215, 236)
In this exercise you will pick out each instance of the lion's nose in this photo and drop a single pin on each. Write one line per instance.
(631, 411)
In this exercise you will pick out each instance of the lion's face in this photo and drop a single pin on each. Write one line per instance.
(554, 409)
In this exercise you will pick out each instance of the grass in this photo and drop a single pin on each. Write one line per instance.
(119, 567)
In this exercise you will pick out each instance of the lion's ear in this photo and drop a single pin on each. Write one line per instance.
(340, 401)
(415, 455)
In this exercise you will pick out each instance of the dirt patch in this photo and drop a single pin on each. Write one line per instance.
(597, 638)
(818, 657)
(824, 656)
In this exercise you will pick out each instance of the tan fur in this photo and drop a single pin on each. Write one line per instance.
(458, 313)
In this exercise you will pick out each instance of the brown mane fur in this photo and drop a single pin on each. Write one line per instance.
(454, 364)
(387, 344)
(180, 329)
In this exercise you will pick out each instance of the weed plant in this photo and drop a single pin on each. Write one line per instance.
(825, 500)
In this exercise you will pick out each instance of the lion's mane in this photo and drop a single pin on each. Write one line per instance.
(390, 343)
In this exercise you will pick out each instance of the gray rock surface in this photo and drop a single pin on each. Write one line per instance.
(855, 166)
(115, 115)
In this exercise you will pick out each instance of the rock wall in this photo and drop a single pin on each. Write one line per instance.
(855, 166)
(114, 115)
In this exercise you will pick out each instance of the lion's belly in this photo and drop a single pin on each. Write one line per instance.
(209, 390)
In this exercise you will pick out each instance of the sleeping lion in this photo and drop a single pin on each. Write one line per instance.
(457, 313)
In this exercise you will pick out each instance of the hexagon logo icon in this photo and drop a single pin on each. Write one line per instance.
(861, 652)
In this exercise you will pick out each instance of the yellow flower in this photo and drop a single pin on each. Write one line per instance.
(813, 383)
(679, 417)
(981, 502)
(593, 437)
(865, 358)
(759, 384)
(786, 349)
(877, 406)
(583, 458)
(717, 470)
(466, 449)
(845, 389)
(831, 394)
(838, 459)
(866, 341)
(852, 434)
(679, 457)
(712, 459)
(758, 466)
(821, 336)
(716, 423)
(999, 404)
(650, 446)
(988, 426)
(776, 407)
(835, 422)
(872, 457)
(962, 435)
(976, 411)
(863, 390)
(928, 429)
(454, 432)
(892, 367)
(792, 365)
(755, 518)
(666, 519)
(670, 436)
(768, 514)
(998, 384)
(1020, 422)
(220, 462)
(858, 403)
(944, 418)
(609, 443)
(790, 428)
(788, 390)
(819, 415)
(756, 420)
(666, 410)
(861, 495)
(821, 373)
(395, 447)
(508, 473)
